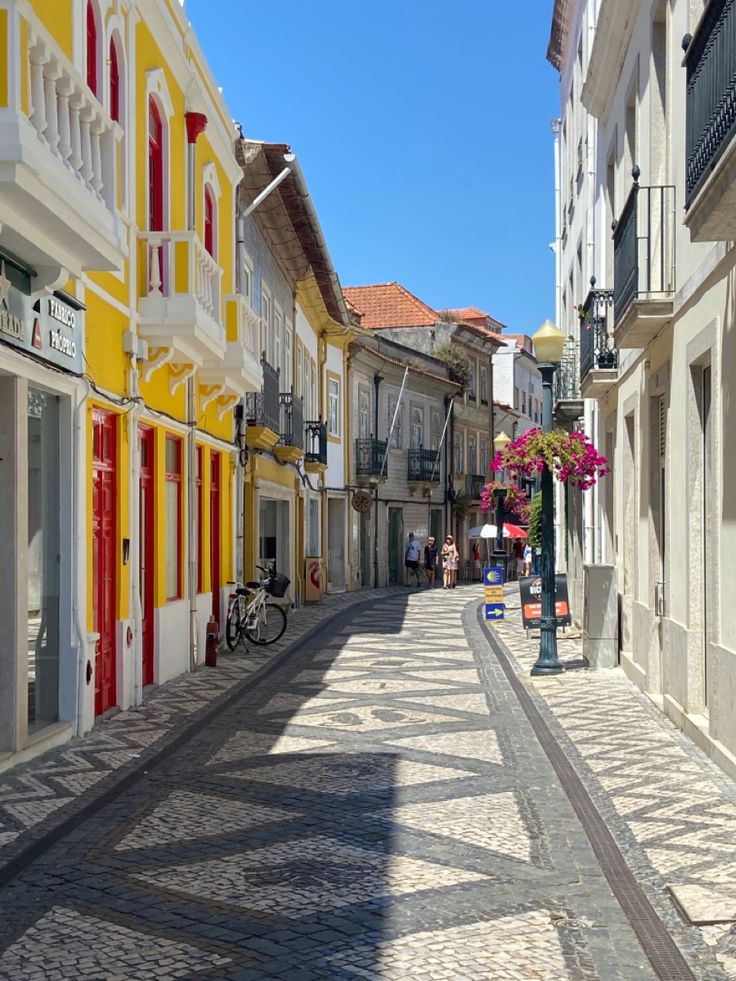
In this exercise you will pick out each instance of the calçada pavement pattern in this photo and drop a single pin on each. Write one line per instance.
(378, 806)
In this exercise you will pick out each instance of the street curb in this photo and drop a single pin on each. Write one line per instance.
(120, 780)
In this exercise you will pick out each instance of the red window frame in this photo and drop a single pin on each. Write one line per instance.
(200, 520)
(91, 47)
(209, 220)
(174, 476)
(155, 167)
(114, 82)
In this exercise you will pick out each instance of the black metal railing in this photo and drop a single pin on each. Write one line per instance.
(597, 349)
(423, 465)
(644, 247)
(315, 442)
(262, 408)
(711, 93)
(369, 454)
(566, 385)
(474, 484)
(291, 428)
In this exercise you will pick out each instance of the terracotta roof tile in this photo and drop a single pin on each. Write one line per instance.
(470, 313)
(390, 305)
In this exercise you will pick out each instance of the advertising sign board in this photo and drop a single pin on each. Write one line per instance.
(530, 593)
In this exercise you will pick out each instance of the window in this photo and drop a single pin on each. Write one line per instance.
(200, 521)
(472, 457)
(484, 385)
(523, 403)
(173, 517)
(246, 280)
(396, 438)
(155, 167)
(114, 82)
(471, 379)
(278, 330)
(287, 372)
(436, 429)
(266, 322)
(364, 413)
(315, 393)
(300, 390)
(417, 428)
(209, 220)
(92, 53)
(484, 464)
(307, 383)
(459, 454)
(333, 406)
(516, 398)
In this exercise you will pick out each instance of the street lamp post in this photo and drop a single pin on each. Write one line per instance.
(499, 551)
(548, 344)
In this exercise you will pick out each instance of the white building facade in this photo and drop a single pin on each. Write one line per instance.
(656, 356)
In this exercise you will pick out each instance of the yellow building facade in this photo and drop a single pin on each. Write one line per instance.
(124, 347)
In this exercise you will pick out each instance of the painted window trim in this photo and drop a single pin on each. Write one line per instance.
(171, 476)
(157, 89)
(331, 376)
(267, 322)
(210, 228)
(93, 67)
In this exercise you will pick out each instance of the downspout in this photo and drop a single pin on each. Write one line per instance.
(449, 432)
(196, 123)
(80, 526)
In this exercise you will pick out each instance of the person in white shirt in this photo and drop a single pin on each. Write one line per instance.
(411, 559)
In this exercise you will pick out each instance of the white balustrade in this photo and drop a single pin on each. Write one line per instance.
(203, 272)
(69, 120)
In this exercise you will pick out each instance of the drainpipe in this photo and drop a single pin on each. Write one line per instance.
(449, 433)
(196, 123)
(80, 527)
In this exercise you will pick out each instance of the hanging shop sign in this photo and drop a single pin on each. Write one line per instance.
(530, 593)
(49, 328)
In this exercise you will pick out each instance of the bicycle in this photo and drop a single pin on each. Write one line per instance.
(250, 613)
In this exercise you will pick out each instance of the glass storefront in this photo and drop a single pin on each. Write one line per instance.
(43, 558)
(274, 535)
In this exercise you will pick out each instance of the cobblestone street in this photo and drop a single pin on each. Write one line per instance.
(376, 806)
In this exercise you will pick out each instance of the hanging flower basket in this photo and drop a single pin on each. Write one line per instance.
(516, 499)
(571, 457)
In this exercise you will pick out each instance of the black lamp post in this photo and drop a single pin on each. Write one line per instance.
(548, 345)
(499, 550)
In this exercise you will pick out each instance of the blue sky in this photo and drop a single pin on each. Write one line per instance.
(423, 129)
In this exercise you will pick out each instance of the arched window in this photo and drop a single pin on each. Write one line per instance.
(92, 53)
(114, 82)
(155, 167)
(209, 220)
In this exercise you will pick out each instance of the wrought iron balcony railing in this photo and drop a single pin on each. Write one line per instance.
(597, 349)
(474, 484)
(566, 381)
(644, 247)
(423, 465)
(262, 408)
(291, 429)
(711, 93)
(369, 454)
(315, 442)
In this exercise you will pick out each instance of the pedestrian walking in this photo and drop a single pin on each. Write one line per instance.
(518, 559)
(527, 559)
(411, 559)
(450, 562)
(476, 562)
(430, 560)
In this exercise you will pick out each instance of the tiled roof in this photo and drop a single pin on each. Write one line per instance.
(470, 313)
(390, 305)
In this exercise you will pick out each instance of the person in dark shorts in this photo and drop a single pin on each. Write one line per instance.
(430, 560)
(411, 560)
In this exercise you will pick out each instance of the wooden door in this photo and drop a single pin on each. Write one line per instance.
(147, 537)
(104, 537)
(215, 534)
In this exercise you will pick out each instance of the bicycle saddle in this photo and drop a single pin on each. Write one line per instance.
(251, 585)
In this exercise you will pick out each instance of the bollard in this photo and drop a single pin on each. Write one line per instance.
(213, 636)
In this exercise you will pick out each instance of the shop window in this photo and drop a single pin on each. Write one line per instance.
(173, 517)
(92, 48)
(210, 216)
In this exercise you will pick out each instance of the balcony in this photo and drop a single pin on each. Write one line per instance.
(239, 370)
(644, 265)
(315, 447)
(568, 402)
(423, 466)
(369, 458)
(59, 152)
(290, 447)
(598, 354)
(263, 411)
(474, 484)
(180, 305)
(710, 172)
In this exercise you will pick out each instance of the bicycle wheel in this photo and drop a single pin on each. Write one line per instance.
(233, 626)
(271, 625)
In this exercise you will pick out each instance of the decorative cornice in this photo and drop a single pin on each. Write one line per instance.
(616, 19)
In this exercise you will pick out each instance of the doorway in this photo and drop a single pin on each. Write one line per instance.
(395, 545)
(366, 553)
(146, 539)
(104, 537)
(706, 498)
(215, 535)
(273, 540)
(336, 543)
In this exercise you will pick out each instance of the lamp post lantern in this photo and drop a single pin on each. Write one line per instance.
(548, 344)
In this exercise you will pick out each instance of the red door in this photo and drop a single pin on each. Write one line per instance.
(104, 536)
(146, 549)
(215, 533)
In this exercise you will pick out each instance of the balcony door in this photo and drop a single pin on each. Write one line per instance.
(395, 545)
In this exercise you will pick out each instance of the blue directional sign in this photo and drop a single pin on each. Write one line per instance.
(493, 576)
(495, 611)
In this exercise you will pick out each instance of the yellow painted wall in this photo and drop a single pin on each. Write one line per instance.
(5, 62)
(104, 329)
(56, 17)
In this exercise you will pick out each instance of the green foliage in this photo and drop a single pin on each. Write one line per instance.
(457, 364)
(534, 528)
